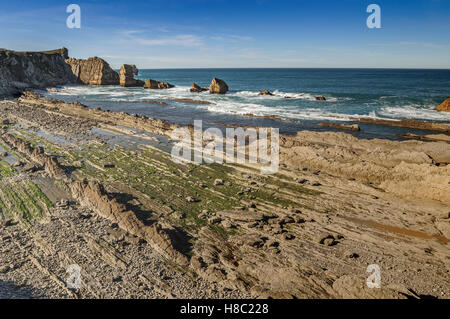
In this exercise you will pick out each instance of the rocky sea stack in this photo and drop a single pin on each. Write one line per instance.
(218, 86)
(127, 73)
(93, 71)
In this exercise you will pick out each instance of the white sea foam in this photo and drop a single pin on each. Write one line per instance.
(250, 102)
(411, 112)
(286, 112)
(281, 95)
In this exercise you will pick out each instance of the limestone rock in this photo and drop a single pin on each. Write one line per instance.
(155, 85)
(265, 92)
(347, 127)
(127, 73)
(94, 196)
(218, 86)
(197, 88)
(351, 287)
(243, 216)
(93, 71)
(444, 107)
(50, 164)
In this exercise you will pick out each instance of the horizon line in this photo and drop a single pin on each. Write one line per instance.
(289, 68)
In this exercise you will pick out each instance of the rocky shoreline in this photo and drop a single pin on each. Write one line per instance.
(99, 189)
(20, 71)
(337, 205)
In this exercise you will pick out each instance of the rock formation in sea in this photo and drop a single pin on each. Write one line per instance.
(93, 71)
(33, 70)
(127, 73)
(320, 98)
(152, 84)
(218, 86)
(197, 88)
(265, 92)
(444, 107)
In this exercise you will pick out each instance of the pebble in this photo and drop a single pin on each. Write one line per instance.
(218, 182)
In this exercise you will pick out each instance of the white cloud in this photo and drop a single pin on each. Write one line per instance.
(184, 40)
(231, 38)
(408, 44)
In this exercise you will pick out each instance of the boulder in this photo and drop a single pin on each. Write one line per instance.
(197, 88)
(320, 98)
(218, 86)
(265, 92)
(444, 107)
(93, 71)
(127, 73)
(165, 85)
(155, 85)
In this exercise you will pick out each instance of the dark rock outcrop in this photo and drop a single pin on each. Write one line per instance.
(320, 98)
(197, 88)
(218, 86)
(93, 71)
(444, 107)
(191, 101)
(127, 73)
(155, 85)
(33, 70)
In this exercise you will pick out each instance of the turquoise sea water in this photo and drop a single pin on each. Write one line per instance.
(374, 93)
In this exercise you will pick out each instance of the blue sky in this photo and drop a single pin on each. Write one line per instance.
(229, 33)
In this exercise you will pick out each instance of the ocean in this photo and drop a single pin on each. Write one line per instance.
(367, 93)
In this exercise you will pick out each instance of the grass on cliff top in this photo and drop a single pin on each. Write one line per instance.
(49, 52)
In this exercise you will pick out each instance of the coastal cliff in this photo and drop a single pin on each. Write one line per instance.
(33, 70)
